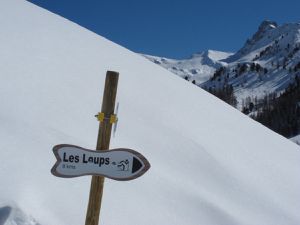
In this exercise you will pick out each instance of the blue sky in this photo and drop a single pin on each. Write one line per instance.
(174, 28)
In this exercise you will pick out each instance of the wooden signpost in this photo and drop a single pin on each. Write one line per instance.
(118, 164)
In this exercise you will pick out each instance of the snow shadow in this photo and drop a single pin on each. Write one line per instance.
(4, 214)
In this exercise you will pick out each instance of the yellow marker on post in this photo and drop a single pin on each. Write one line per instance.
(101, 117)
(113, 118)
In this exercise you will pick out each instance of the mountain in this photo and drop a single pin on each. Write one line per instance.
(267, 63)
(265, 77)
(260, 39)
(210, 164)
(258, 78)
(198, 68)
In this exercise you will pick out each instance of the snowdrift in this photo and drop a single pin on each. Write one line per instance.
(210, 164)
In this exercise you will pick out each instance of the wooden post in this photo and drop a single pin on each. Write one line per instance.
(104, 134)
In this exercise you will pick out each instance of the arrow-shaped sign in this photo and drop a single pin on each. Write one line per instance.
(117, 164)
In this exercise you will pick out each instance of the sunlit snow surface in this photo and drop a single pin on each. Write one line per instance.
(210, 164)
(198, 68)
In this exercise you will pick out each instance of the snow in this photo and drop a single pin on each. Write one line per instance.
(199, 68)
(210, 164)
(218, 55)
(12, 215)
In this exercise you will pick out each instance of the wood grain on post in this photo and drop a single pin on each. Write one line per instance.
(104, 134)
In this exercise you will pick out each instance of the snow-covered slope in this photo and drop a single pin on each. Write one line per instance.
(211, 164)
(199, 68)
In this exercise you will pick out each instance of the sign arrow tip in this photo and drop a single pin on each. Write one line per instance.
(136, 165)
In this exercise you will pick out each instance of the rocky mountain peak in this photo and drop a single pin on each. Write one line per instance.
(265, 26)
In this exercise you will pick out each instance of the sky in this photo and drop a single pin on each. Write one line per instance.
(174, 28)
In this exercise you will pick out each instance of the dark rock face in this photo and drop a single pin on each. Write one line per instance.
(264, 26)
(4, 214)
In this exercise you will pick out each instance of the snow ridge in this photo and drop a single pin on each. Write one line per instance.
(198, 68)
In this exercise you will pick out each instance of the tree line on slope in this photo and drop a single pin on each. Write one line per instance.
(279, 113)
(225, 93)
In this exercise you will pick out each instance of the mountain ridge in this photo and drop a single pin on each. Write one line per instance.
(275, 53)
(269, 43)
(198, 67)
(254, 78)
